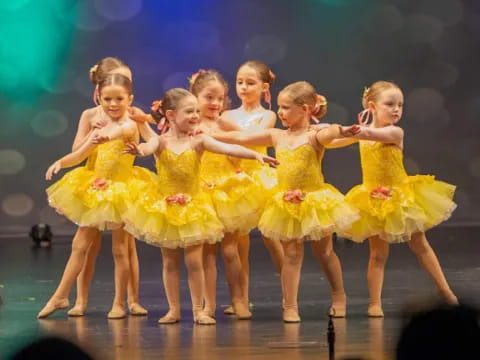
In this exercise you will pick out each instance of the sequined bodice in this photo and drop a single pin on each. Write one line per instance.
(214, 165)
(178, 173)
(382, 164)
(109, 162)
(300, 168)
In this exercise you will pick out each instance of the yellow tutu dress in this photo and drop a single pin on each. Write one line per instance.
(176, 212)
(303, 206)
(238, 200)
(392, 204)
(97, 194)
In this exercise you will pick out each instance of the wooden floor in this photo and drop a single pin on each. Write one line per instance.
(28, 277)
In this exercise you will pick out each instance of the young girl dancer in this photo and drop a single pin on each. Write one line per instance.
(394, 207)
(96, 196)
(303, 207)
(253, 82)
(91, 119)
(238, 200)
(178, 213)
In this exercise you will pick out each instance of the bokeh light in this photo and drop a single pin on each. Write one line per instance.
(11, 162)
(17, 204)
(49, 123)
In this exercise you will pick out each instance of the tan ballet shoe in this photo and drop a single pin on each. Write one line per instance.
(375, 311)
(77, 310)
(290, 315)
(117, 314)
(53, 306)
(169, 318)
(242, 312)
(137, 310)
(337, 312)
(229, 310)
(201, 318)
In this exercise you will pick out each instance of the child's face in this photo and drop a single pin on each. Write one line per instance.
(211, 99)
(290, 114)
(388, 108)
(187, 115)
(122, 70)
(115, 100)
(249, 85)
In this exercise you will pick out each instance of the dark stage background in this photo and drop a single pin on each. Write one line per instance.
(429, 47)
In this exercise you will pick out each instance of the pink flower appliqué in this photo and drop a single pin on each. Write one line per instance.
(180, 199)
(294, 196)
(381, 192)
(99, 184)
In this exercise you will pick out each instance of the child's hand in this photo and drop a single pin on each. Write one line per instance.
(348, 131)
(100, 137)
(134, 149)
(267, 159)
(137, 114)
(52, 170)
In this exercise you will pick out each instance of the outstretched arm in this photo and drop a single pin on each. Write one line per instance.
(72, 159)
(389, 134)
(327, 135)
(219, 147)
(144, 149)
(84, 129)
(259, 138)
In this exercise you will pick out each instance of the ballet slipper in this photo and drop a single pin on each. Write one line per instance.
(338, 309)
(201, 318)
(229, 310)
(53, 306)
(117, 312)
(375, 311)
(241, 311)
(290, 314)
(449, 297)
(137, 310)
(77, 310)
(169, 318)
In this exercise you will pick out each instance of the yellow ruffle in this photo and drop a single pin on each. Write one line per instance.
(319, 214)
(88, 200)
(238, 201)
(416, 205)
(153, 220)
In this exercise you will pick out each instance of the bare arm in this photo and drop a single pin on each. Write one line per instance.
(327, 135)
(83, 130)
(212, 145)
(146, 132)
(389, 134)
(260, 138)
(228, 125)
(72, 159)
(339, 143)
(144, 149)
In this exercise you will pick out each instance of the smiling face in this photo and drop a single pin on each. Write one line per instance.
(249, 86)
(388, 107)
(289, 113)
(115, 100)
(186, 116)
(211, 99)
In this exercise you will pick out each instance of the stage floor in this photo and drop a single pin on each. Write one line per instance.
(28, 277)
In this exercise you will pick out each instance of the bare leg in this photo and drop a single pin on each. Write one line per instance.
(120, 257)
(243, 243)
(233, 269)
(84, 280)
(210, 273)
(328, 259)
(275, 249)
(291, 272)
(193, 262)
(133, 298)
(427, 258)
(379, 251)
(81, 243)
(171, 283)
